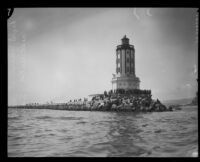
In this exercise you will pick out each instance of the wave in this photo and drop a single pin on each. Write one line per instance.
(44, 117)
(70, 118)
(14, 118)
(42, 133)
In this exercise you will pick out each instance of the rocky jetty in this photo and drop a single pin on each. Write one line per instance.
(120, 100)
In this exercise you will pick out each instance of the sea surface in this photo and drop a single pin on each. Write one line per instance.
(57, 133)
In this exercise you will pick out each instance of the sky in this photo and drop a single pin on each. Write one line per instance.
(58, 54)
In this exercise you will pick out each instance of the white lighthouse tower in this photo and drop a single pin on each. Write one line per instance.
(125, 77)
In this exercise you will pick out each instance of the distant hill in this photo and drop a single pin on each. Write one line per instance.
(182, 101)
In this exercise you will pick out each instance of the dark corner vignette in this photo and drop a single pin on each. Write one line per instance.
(6, 13)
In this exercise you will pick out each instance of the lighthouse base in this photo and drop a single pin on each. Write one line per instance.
(125, 82)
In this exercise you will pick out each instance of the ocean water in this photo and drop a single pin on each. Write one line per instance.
(55, 133)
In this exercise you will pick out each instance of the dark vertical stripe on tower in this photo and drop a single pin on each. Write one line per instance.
(134, 61)
(116, 60)
(125, 61)
(132, 67)
(120, 61)
(130, 60)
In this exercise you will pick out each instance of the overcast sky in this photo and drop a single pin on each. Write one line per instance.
(58, 54)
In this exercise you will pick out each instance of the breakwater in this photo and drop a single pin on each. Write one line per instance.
(94, 106)
(141, 102)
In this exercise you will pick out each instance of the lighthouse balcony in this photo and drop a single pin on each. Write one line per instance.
(128, 45)
(125, 78)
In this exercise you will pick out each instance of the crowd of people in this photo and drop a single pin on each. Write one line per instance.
(120, 100)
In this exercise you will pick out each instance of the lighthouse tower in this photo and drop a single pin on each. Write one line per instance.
(125, 77)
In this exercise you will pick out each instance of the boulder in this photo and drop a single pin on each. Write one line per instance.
(114, 106)
(119, 106)
(127, 107)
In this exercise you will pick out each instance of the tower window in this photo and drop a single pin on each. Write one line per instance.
(118, 70)
(118, 64)
(118, 55)
(117, 61)
(131, 55)
(127, 55)
(127, 60)
(131, 52)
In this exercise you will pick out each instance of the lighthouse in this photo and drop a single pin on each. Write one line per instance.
(125, 77)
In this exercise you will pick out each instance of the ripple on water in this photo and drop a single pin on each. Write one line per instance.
(44, 117)
(65, 133)
(70, 118)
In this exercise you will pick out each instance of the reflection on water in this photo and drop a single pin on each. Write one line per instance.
(107, 134)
